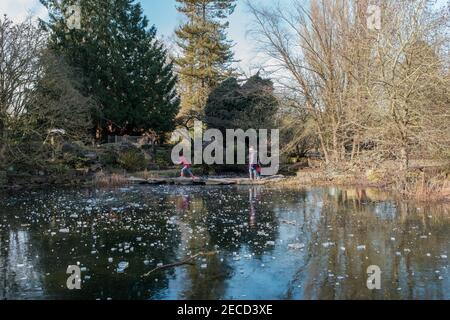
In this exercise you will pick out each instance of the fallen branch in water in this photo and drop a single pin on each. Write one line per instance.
(177, 264)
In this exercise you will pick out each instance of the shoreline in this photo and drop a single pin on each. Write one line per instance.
(314, 178)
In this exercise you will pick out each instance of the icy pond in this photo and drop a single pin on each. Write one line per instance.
(268, 243)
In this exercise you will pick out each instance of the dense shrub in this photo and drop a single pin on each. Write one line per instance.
(109, 158)
(132, 160)
(163, 157)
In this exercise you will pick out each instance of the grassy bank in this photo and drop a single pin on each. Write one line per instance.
(424, 183)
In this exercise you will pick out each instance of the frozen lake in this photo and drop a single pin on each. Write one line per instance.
(265, 243)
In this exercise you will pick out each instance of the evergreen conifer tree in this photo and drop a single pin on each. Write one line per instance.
(206, 54)
(122, 64)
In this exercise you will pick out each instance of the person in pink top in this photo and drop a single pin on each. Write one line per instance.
(186, 170)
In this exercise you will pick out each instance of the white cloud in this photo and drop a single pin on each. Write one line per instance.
(18, 10)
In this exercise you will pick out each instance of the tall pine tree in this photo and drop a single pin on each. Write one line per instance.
(206, 55)
(122, 64)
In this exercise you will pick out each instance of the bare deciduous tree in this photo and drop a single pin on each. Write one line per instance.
(20, 46)
(38, 94)
(323, 53)
(384, 90)
(410, 85)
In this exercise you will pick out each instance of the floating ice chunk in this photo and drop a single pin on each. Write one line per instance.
(122, 266)
(270, 243)
(292, 223)
(296, 246)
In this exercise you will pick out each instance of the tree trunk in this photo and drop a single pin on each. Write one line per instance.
(335, 147)
(323, 146)
(404, 158)
(2, 142)
(404, 165)
(352, 157)
(2, 126)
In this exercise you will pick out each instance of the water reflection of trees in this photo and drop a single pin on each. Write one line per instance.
(98, 230)
(228, 219)
(198, 282)
(244, 218)
(391, 233)
(18, 275)
(181, 222)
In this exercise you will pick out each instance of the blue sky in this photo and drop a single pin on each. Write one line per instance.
(163, 14)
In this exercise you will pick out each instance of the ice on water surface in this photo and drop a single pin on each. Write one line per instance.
(282, 243)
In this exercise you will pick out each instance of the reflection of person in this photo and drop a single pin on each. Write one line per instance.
(186, 169)
(253, 196)
(185, 203)
(252, 210)
(182, 204)
(252, 215)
